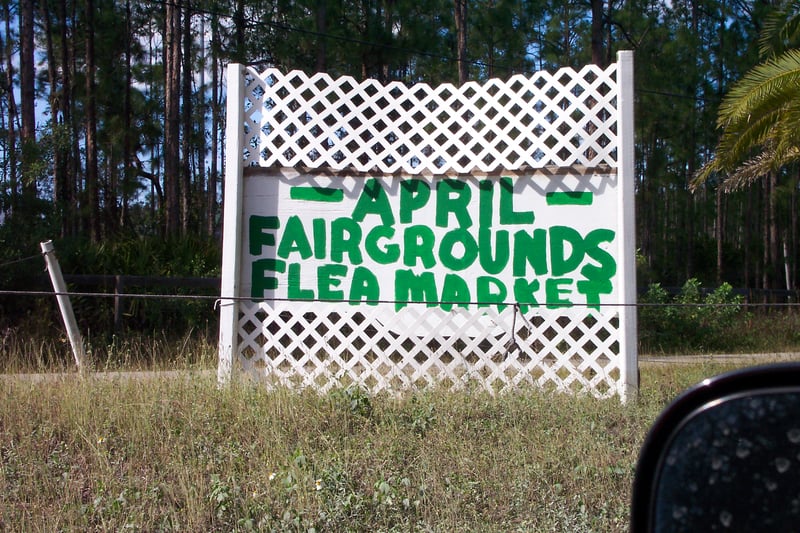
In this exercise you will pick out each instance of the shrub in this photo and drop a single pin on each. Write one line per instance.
(690, 320)
(124, 255)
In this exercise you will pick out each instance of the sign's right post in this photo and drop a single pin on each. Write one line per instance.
(627, 267)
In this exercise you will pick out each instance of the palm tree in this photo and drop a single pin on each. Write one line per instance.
(760, 115)
(760, 122)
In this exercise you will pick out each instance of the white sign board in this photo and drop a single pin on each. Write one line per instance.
(535, 240)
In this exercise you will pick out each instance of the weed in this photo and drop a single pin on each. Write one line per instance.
(422, 417)
(353, 399)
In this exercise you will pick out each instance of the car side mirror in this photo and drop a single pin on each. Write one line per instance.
(724, 456)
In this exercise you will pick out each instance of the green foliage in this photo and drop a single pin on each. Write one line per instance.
(22, 269)
(690, 320)
(354, 400)
(189, 257)
(422, 417)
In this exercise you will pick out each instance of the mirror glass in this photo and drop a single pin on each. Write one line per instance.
(734, 465)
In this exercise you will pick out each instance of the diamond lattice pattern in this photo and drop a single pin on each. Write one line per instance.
(567, 118)
(321, 345)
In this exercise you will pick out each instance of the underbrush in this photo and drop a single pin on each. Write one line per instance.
(714, 322)
(181, 454)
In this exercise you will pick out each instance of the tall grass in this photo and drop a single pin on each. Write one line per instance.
(181, 454)
(25, 353)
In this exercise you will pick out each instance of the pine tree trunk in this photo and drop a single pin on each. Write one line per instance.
(11, 128)
(718, 227)
(172, 94)
(773, 227)
(200, 179)
(186, 170)
(765, 284)
(748, 223)
(67, 96)
(598, 56)
(77, 190)
(461, 40)
(56, 115)
(27, 97)
(92, 188)
(322, 28)
(793, 236)
(128, 148)
(240, 54)
(211, 187)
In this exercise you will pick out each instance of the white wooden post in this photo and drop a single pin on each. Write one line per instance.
(231, 223)
(60, 288)
(629, 364)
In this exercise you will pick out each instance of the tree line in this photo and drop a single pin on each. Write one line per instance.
(111, 112)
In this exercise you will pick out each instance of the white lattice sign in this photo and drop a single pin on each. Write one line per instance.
(397, 237)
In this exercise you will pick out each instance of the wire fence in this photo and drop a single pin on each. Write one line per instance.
(115, 306)
(110, 321)
(746, 303)
(750, 297)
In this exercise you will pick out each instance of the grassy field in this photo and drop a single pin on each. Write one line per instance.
(179, 454)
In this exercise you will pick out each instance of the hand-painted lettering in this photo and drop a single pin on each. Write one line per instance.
(443, 242)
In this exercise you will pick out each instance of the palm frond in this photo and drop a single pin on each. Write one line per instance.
(711, 168)
(780, 31)
(740, 140)
(770, 42)
(758, 167)
(764, 88)
(760, 115)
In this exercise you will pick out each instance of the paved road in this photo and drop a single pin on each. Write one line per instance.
(112, 376)
(721, 358)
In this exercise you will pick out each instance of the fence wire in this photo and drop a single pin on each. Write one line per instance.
(21, 260)
(222, 300)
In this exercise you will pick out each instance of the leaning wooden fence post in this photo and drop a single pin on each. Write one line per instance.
(60, 288)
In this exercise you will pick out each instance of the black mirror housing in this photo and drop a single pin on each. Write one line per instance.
(724, 456)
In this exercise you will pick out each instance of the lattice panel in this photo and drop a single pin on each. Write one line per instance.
(567, 118)
(323, 346)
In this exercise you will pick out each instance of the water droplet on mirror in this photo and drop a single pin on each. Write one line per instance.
(678, 512)
(782, 464)
(794, 435)
(725, 518)
(743, 448)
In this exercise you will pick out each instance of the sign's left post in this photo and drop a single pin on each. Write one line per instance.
(231, 223)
